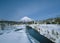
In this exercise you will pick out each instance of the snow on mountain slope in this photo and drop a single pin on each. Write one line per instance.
(26, 19)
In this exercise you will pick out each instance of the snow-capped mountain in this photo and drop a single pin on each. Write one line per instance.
(26, 19)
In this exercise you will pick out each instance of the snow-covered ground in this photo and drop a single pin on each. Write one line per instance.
(7, 28)
(14, 37)
(11, 36)
(51, 31)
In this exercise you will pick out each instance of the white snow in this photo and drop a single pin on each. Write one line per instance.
(11, 36)
(15, 36)
(26, 19)
(51, 31)
(20, 26)
(58, 40)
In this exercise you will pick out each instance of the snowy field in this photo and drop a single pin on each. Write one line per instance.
(11, 36)
(51, 31)
(14, 37)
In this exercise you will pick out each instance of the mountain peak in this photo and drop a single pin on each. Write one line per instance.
(26, 19)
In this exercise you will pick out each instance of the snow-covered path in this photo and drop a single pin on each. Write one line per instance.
(14, 37)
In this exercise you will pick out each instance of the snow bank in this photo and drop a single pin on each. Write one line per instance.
(51, 31)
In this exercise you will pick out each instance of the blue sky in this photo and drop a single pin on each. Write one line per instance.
(36, 9)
